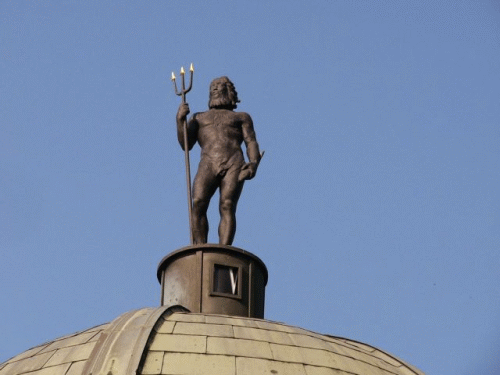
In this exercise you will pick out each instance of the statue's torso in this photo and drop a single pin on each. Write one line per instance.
(220, 134)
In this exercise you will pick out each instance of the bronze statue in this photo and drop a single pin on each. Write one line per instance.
(220, 131)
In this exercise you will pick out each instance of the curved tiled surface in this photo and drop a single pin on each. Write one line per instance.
(64, 356)
(157, 341)
(220, 345)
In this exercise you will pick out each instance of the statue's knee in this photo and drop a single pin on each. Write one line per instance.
(199, 205)
(226, 206)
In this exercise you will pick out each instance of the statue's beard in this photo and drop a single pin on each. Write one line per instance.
(221, 101)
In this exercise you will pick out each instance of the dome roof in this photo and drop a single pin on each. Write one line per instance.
(154, 341)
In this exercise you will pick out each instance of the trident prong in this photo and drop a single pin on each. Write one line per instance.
(182, 94)
(184, 90)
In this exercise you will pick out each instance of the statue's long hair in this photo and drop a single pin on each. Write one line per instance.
(228, 101)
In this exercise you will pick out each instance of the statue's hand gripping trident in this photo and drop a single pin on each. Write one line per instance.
(182, 94)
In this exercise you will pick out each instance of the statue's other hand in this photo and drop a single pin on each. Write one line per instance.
(247, 172)
(183, 111)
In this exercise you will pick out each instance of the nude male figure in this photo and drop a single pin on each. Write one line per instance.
(220, 132)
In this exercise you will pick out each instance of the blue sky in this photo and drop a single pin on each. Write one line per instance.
(376, 207)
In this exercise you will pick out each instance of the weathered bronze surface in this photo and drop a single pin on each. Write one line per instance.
(220, 131)
(214, 279)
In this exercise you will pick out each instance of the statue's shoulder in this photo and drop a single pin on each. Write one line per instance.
(242, 115)
(204, 118)
(197, 116)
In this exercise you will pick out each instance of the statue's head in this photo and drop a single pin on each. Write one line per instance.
(223, 95)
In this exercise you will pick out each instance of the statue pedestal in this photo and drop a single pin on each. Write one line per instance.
(214, 279)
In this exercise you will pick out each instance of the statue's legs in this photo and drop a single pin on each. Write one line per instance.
(230, 190)
(204, 186)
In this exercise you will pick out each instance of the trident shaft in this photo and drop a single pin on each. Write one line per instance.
(182, 94)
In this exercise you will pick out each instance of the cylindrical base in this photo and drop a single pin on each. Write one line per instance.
(214, 279)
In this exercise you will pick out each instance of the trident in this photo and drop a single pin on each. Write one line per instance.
(183, 93)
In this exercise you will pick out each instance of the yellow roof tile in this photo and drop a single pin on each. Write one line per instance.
(153, 363)
(76, 368)
(258, 334)
(179, 343)
(198, 364)
(71, 354)
(254, 366)
(237, 347)
(26, 365)
(203, 329)
(53, 370)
